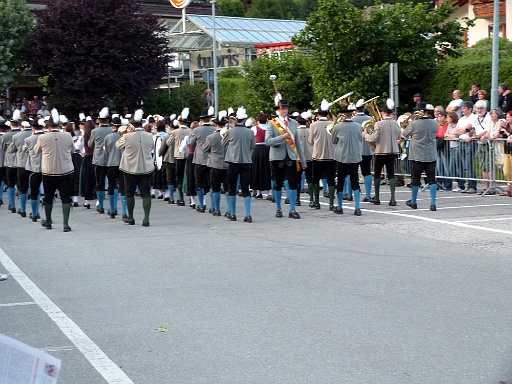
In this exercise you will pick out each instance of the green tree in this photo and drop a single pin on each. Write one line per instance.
(15, 27)
(233, 8)
(307, 7)
(293, 71)
(274, 9)
(352, 50)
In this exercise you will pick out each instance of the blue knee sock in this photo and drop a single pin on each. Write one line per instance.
(368, 181)
(273, 182)
(303, 180)
(38, 203)
(33, 206)
(232, 200)
(111, 203)
(340, 200)
(345, 186)
(415, 194)
(247, 203)
(357, 199)
(1, 190)
(11, 192)
(123, 205)
(100, 195)
(287, 188)
(292, 195)
(216, 201)
(200, 197)
(278, 195)
(23, 202)
(228, 201)
(211, 198)
(116, 197)
(324, 185)
(171, 191)
(349, 186)
(433, 194)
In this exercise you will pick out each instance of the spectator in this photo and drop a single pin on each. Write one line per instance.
(466, 132)
(482, 95)
(505, 99)
(34, 105)
(481, 130)
(442, 157)
(473, 94)
(43, 111)
(454, 155)
(497, 123)
(209, 98)
(418, 101)
(456, 104)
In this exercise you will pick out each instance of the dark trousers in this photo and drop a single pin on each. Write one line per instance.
(12, 176)
(366, 165)
(417, 167)
(323, 169)
(2, 175)
(22, 176)
(202, 176)
(35, 181)
(143, 181)
(77, 165)
(62, 183)
(284, 170)
(170, 173)
(180, 170)
(345, 170)
(384, 160)
(100, 172)
(242, 170)
(217, 178)
(308, 171)
(115, 180)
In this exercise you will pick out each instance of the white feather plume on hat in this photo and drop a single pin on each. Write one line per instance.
(55, 116)
(211, 111)
(222, 115)
(390, 104)
(125, 121)
(351, 107)
(230, 111)
(137, 116)
(277, 98)
(324, 105)
(128, 116)
(63, 119)
(241, 113)
(115, 115)
(81, 116)
(88, 118)
(306, 115)
(41, 122)
(185, 113)
(103, 113)
(175, 122)
(25, 124)
(172, 117)
(249, 122)
(16, 114)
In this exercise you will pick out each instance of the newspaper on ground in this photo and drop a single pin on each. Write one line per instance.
(23, 364)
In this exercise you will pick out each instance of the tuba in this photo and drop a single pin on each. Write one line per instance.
(343, 100)
(369, 125)
(124, 129)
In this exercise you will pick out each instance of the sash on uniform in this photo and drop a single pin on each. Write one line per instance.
(282, 128)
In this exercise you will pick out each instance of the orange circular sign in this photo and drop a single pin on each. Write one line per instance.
(180, 3)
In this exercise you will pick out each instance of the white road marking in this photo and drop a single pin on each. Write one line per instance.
(16, 304)
(98, 359)
(480, 220)
(58, 349)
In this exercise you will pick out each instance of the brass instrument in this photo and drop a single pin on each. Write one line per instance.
(369, 125)
(415, 116)
(124, 129)
(342, 101)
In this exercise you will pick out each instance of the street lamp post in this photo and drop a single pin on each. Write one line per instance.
(215, 82)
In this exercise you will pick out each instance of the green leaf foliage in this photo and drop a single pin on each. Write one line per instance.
(233, 8)
(186, 95)
(474, 65)
(15, 27)
(274, 9)
(351, 49)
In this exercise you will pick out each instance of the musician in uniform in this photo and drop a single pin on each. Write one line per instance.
(239, 142)
(366, 152)
(348, 141)
(57, 167)
(176, 138)
(3, 130)
(285, 152)
(202, 171)
(137, 166)
(324, 165)
(167, 154)
(22, 175)
(303, 130)
(99, 157)
(218, 167)
(386, 138)
(10, 160)
(33, 166)
(423, 156)
(114, 177)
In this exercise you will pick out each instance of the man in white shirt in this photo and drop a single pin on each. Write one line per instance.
(466, 129)
(456, 104)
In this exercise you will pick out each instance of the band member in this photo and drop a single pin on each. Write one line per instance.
(158, 178)
(386, 137)
(423, 156)
(99, 157)
(114, 177)
(137, 165)
(366, 152)
(22, 175)
(260, 174)
(3, 131)
(78, 142)
(57, 167)
(10, 160)
(348, 141)
(33, 165)
(202, 171)
(324, 165)
(218, 167)
(304, 120)
(176, 139)
(239, 142)
(285, 153)
(167, 153)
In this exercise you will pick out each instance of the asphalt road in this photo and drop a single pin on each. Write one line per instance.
(396, 295)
